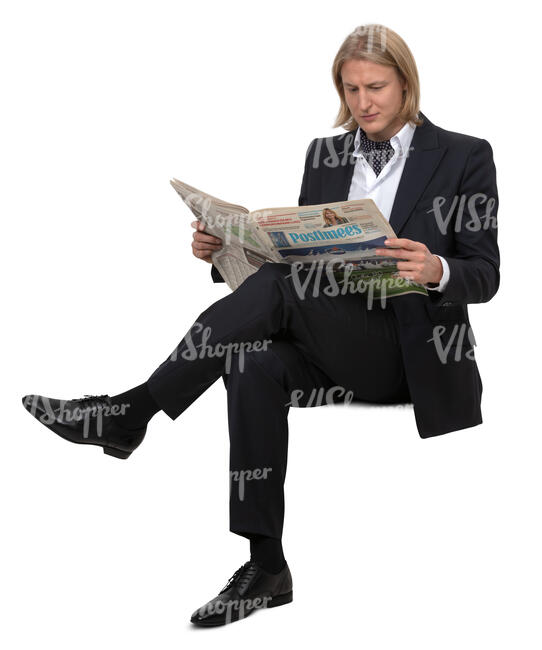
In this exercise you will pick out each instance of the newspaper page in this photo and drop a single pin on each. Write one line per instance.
(343, 234)
(244, 250)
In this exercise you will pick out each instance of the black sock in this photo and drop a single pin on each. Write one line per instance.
(267, 552)
(136, 407)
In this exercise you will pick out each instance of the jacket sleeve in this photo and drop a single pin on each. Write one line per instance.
(215, 274)
(474, 264)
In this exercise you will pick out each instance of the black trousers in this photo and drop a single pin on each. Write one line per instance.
(275, 348)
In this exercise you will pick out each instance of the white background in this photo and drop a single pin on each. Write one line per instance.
(393, 541)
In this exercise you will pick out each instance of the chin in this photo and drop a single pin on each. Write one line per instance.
(373, 125)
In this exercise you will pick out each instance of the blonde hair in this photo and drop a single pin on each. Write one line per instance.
(381, 45)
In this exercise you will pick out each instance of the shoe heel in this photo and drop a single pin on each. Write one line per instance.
(117, 453)
(282, 599)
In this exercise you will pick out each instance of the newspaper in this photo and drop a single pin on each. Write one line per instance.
(342, 235)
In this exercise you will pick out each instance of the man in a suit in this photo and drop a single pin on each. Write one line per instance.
(415, 346)
(443, 206)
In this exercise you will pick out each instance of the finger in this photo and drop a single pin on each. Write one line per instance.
(409, 244)
(202, 255)
(408, 266)
(409, 275)
(396, 252)
(404, 266)
(199, 236)
(403, 253)
(205, 246)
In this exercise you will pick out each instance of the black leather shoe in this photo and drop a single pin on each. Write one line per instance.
(88, 420)
(249, 588)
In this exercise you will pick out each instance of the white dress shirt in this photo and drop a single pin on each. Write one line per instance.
(382, 188)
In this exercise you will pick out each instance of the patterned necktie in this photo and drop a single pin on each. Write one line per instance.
(377, 154)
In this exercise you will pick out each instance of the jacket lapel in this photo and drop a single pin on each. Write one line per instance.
(422, 160)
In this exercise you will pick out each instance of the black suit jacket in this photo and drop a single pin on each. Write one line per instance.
(447, 198)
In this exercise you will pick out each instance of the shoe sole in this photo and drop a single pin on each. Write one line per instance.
(276, 601)
(117, 453)
(110, 451)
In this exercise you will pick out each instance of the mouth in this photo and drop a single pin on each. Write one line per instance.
(368, 117)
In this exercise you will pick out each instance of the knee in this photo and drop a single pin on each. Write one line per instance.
(247, 363)
(272, 271)
(250, 361)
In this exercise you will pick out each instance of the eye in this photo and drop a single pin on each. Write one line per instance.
(353, 90)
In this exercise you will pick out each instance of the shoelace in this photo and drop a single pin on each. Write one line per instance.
(90, 401)
(243, 580)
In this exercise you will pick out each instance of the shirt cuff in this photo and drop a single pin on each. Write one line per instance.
(445, 276)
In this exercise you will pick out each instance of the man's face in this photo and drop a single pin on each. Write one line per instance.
(373, 89)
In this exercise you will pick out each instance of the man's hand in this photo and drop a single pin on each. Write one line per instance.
(204, 244)
(420, 265)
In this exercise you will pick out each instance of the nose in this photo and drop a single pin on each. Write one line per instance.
(364, 102)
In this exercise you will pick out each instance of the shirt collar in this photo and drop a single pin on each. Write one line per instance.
(400, 141)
